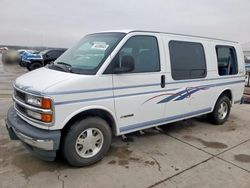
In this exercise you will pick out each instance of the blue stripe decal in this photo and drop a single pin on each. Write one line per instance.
(134, 86)
(189, 91)
(172, 97)
(109, 97)
(163, 120)
(204, 79)
(102, 89)
(142, 93)
(79, 91)
(82, 100)
(225, 83)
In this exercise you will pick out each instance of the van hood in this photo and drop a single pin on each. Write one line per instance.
(39, 80)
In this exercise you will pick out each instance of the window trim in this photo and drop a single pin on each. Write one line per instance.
(235, 55)
(205, 60)
(109, 69)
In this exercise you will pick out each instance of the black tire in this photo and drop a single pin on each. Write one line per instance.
(34, 66)
(215, 117)
(21, 64)
(69, 141)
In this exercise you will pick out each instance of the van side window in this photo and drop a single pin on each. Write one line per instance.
(227, 61)
(144, 51)
(187, 60)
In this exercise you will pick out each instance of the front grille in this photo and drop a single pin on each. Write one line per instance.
(20, 94)
(20, 109)
(24, 109)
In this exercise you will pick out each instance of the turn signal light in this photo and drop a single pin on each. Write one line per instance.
(47, 118)
(46, 103)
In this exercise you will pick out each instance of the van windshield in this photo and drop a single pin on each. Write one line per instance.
(87, 56)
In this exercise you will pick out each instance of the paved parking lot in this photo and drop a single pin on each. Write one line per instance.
(190, 153)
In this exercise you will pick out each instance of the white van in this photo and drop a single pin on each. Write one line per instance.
(114, 83)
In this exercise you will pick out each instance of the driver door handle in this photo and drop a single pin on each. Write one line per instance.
(163, 80)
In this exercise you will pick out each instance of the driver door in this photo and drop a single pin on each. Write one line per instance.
(134, 91)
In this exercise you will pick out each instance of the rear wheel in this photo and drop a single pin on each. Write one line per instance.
(87, 141)
(221, 111)
(34, 66)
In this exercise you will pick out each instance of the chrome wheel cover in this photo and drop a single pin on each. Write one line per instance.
(223, 110)
(89, 142)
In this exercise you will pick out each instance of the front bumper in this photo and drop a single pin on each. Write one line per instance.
(42, 143)
(24, 63)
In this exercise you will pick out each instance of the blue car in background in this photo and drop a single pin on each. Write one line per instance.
(31, 60)
(36, 60)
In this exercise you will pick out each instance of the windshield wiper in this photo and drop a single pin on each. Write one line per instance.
(62, 63)
(68, 66)
(58, 67)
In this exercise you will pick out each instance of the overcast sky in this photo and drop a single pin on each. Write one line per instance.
(60, 23)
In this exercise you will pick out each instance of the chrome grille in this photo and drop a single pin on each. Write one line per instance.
(20, 95)
(20, 109)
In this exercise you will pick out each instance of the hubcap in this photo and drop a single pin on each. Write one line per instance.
(223, 110)
(89, 142)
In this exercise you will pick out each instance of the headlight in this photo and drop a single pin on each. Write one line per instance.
(34, 114)
(35, 101)
(44, 103)
(47, 118)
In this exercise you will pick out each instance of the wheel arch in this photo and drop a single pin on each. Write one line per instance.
(32, 62)
(98, 111)
(227, 92)
(36, 61)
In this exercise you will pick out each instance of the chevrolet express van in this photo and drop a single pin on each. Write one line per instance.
(114, 83)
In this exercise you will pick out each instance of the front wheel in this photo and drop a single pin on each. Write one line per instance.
(87, 141)
(221, 111)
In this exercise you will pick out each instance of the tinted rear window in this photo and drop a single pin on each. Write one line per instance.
(187, 60)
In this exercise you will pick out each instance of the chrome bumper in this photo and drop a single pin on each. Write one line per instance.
(42, 144)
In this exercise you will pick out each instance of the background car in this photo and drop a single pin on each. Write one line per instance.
(51, 55)
(23, 51)
(33, 60)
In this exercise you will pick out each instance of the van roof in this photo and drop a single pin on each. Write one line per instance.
(169, 33)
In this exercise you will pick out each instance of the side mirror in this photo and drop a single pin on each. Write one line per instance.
(127, 65)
